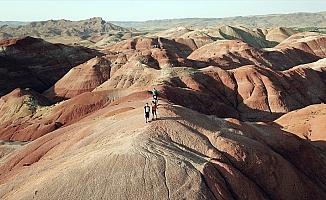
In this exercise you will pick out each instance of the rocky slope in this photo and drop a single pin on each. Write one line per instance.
(183, 155)
(309, 122)
(26, 117)
(312, 43)
(37, 64)
(80, 79)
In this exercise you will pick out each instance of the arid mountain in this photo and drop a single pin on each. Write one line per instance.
(53, 28)
(85, 32)
(262, 21)
(258, 31)
(235, 120)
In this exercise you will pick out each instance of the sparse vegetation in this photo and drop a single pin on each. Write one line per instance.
(32, 103)
(312, 29)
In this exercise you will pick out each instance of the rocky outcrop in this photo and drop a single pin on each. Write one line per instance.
(33, 63)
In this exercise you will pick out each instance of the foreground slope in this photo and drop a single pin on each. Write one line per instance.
(184, 154)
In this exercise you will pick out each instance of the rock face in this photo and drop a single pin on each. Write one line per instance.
(249, 93)
(80, 79)
(33, 63)
(183, 155)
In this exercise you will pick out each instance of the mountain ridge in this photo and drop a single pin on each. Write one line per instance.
(299, 20)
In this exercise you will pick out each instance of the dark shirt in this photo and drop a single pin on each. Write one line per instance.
(148, 109)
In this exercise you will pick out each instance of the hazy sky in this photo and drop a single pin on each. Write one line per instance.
(137, 10)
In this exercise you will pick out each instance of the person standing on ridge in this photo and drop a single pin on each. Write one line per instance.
(155, 96)
(147, 109)
(154, 109)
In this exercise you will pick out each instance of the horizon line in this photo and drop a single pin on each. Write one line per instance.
(162, 19)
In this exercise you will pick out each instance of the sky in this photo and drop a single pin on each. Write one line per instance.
(141, 10)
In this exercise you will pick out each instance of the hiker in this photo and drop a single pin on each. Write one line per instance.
(155, 95)
(147, 109)
(154, 109)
